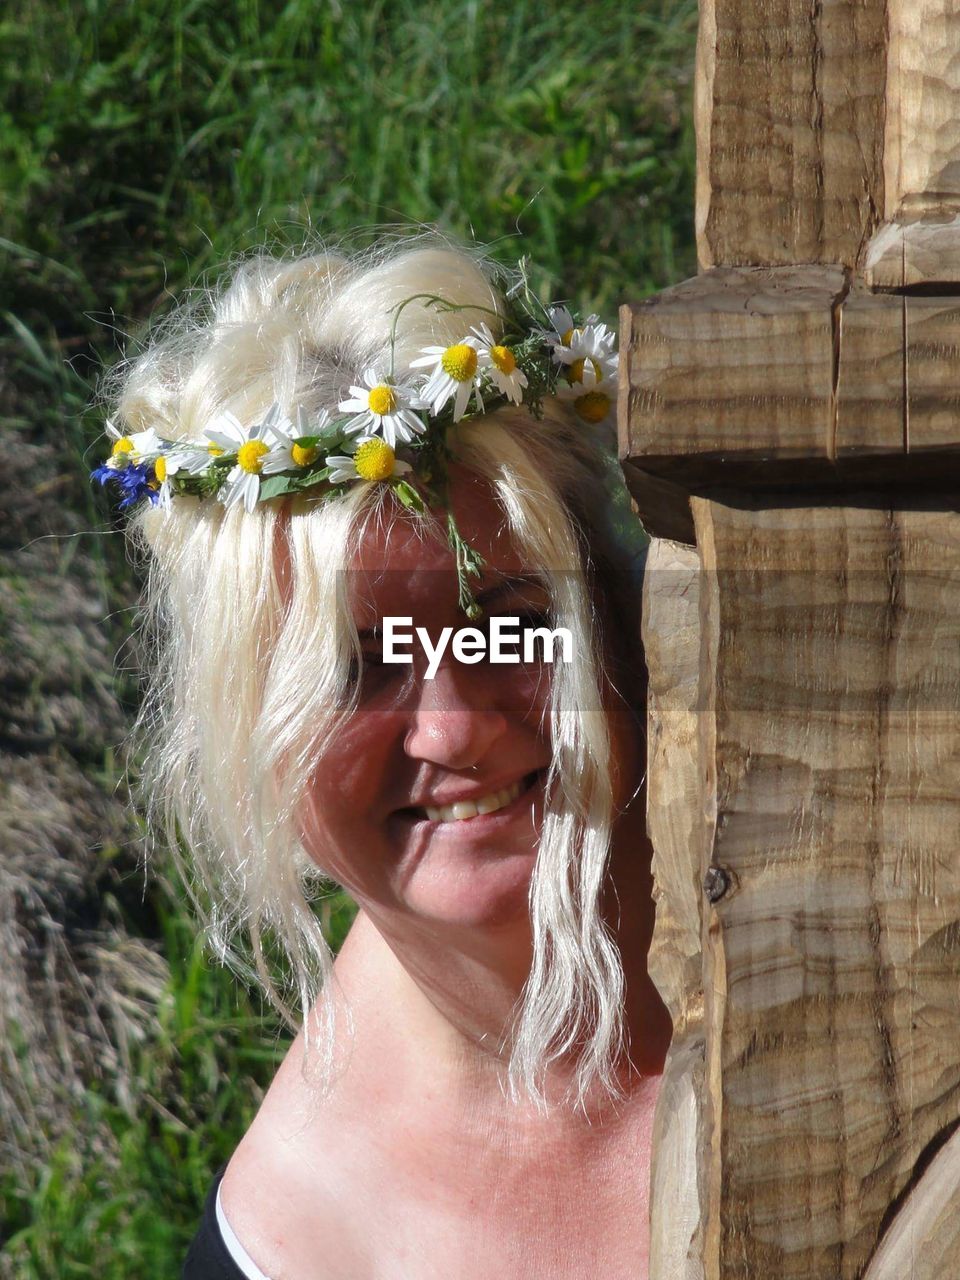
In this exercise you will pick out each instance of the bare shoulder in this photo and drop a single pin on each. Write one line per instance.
(283, 1178)
(280, 1192)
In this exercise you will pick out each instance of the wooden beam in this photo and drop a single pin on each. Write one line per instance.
(790, 130)
(671, 638)
(832, 1021)
(922, 127)
(871, 377)
(795, 412)
(933, 385)
(770, 377)
(697, 362)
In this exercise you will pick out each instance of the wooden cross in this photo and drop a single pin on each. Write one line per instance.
(793, 413)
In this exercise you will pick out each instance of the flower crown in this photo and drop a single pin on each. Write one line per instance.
(359, 438)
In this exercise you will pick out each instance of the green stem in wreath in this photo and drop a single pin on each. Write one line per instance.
(469, 565)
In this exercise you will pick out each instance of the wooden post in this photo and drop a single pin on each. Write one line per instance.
(790, 431)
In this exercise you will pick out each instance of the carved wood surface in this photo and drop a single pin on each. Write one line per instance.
(933, 348)
(801, 399)
(921, 253)
(671, 642)
(871, 376)
(790, 130)
(772, 376)
(830, 692)
(922, 131)
(732, 361)
(923, 1240)
(898, 390)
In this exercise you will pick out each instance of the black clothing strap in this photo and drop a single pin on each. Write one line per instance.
(209, 1258)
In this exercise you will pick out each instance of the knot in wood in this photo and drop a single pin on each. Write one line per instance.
(716, 882)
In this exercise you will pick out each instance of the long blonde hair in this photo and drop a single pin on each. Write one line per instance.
(231, 730)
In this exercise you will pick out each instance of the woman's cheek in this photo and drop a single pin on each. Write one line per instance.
(353, 785)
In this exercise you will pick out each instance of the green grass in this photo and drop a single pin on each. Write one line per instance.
(141, 145)
(120, 1198)
(143, 142)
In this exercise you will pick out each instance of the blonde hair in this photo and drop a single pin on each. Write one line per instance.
(233, 731)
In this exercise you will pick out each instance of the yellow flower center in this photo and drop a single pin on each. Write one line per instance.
(250, 456)
(382, 400)
(160, 469)
(503, 358)
(567, 338)
(460, 361)
(303, 455)
(374, 460)
(122, 449)
(575, 370)
(592, 407)
(214, 451)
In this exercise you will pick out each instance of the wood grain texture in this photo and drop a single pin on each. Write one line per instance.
(734, 361)
(671, 640)
(789, 115)
(923, 1240)
(765, 366)
(814, 755)
(898, 386)
(676, 1214)
(671, 644)
(830, 693)
(921, 253)
(871, 375)
(933, 374)
(922, 130)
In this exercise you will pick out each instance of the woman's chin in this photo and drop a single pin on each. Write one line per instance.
(469, 888)
(473, 870)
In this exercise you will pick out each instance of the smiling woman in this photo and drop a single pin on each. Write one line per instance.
(389, 438)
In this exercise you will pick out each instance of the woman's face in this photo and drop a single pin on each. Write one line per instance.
(381, 815)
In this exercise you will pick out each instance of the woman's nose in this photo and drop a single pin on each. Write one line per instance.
(455, 721)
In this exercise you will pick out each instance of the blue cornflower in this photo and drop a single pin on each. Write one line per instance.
(104, 473)
(135, 481)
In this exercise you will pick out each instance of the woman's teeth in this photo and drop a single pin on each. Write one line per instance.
(470, 808)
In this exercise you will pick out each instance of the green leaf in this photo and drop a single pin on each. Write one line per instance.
(275, 487)
(279, 485)
(408, 496)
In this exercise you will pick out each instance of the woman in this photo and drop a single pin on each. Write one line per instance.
(354, 470)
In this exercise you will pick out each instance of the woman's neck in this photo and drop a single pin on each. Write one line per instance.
(450, 1003)
(452, 999)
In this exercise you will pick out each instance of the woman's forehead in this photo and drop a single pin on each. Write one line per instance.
(395, 543)
(402, 568)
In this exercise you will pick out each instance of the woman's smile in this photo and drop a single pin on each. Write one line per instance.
(476, 803)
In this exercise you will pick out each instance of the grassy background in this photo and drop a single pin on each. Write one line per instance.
(141, 145)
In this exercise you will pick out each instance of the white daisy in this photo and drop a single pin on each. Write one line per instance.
(243, 480)
(593, 394)
(164, 469)
(138, 446)
(592, 341)
(192, 458)
(385, 406)
(500, 365)
(457, 372)
(286, 454)
(563, 326)
(369, 458)
(228, 432)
